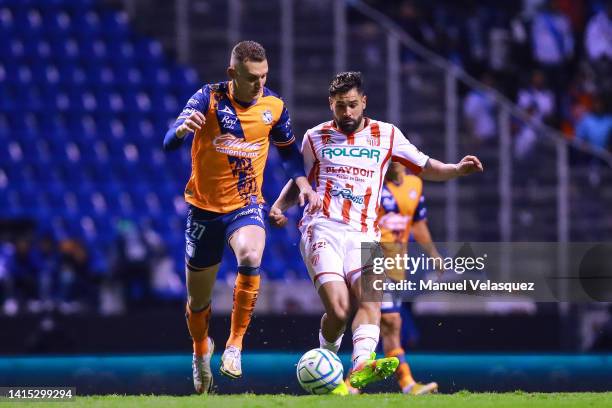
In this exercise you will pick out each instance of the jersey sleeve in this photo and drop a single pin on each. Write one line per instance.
(406, 153)
(198, 102)
(309, 158)
(282, 133)
(420, 213)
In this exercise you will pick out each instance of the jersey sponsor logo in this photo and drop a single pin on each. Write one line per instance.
(229, 122)
(357, 152)
(227, 110)
(355, 171)
(266, 116)
(347, 194)
(394, 221)
(233, 146)
(255, 213)
(187, 111)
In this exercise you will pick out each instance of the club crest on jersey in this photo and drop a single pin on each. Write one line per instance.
(266, 116)
(314, 260)
(326, 137)
(356, 152)
(373, 140)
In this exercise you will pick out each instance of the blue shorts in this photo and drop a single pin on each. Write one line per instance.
(207, 232)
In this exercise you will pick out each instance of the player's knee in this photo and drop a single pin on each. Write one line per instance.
(339, 312)
(370, 307)
(249, 257)
(197, 303)
(391, 322)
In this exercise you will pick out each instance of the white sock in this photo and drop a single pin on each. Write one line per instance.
(365, 340)
(333, 346)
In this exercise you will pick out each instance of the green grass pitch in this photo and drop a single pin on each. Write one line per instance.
(457, 400)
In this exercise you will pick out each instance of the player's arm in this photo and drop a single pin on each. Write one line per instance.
(435, 170)
(426, 167)
(294, 191)
(190, 120)
(293, 163)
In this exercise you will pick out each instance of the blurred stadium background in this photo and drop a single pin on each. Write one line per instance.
(92, 214)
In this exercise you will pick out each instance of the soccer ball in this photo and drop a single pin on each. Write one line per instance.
(319, 371)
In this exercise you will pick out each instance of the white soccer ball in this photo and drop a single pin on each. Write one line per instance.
(319, 371)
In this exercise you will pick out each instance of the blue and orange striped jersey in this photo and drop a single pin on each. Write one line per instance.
(229, 153)
(401, 205)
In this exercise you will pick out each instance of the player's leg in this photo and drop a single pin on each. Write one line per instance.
(200, 282)
(335, 297)
(321, 249)
(197, 313)
(248, 243)
(390, 328)
(366, 323)
(203, 253)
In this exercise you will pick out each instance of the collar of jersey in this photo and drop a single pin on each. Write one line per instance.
(365, 125)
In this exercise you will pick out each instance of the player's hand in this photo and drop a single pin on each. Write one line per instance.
(277, 218)
(314, 201)
(194, 122)
(469, 165)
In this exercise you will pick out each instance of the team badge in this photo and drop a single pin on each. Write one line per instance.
(413, 194)
(314, 260)
(266, 116)
(190, 249)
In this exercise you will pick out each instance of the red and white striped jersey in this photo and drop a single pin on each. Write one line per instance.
(347, 170)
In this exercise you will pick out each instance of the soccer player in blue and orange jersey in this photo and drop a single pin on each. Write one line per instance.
(402, 212)
(232, 123)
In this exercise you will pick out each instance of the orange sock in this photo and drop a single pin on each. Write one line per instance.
(197, 322)
(403, 373)
(245, 296)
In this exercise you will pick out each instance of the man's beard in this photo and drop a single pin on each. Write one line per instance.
(349, 125)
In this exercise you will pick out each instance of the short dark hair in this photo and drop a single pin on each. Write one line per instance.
(248, 51)
(345, 81)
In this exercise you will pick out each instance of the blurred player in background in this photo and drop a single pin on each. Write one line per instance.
(346, 159)
(402, 211)
(232, 123)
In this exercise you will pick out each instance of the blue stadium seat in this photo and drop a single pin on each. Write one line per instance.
(65, 48)
(57, 22)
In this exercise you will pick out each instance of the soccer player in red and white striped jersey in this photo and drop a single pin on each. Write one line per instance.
(346, 160)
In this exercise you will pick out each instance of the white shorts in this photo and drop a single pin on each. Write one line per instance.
(332, 251)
